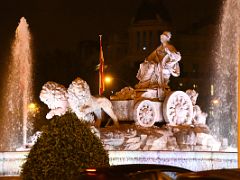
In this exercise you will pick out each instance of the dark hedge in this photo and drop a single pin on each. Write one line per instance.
(66, 146)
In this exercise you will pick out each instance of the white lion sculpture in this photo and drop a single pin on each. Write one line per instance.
(54, 95)
(77, 98)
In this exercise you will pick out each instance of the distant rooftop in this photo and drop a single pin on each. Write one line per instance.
(149, 10)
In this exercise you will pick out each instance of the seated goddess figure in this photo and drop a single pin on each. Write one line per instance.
(157, 68)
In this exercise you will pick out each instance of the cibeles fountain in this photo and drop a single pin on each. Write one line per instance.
(150, 102)
(165, 127)
(182, 132)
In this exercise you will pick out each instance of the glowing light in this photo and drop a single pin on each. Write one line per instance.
(212, 90)
(108, 79)
(32, 107)
(215, 101)
(144, 48)
(91, 170)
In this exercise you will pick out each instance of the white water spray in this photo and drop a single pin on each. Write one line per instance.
(18, 91)
(225, 72)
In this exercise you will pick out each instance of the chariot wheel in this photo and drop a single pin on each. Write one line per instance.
(178, 108)
(145, 113)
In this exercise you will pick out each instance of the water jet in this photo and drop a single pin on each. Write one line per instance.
(17, 93)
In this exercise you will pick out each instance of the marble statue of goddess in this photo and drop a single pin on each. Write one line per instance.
(157, 68)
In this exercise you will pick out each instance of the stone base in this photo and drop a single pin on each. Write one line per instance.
(164, 138)
(195, 161)
(11, 162)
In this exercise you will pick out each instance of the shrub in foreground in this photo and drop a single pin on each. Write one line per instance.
(65, 147)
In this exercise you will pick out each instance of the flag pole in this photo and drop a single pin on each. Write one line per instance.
(101, 68)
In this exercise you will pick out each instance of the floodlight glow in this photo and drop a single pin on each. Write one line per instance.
(108, 79)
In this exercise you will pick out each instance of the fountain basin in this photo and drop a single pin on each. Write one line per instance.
(10, 162)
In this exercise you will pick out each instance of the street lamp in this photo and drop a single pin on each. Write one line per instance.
(108, 79)
(33, 108)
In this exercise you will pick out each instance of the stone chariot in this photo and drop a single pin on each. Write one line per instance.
(153, 100)
(147, 108)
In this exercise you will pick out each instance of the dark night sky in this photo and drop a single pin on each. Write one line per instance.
(63, 23)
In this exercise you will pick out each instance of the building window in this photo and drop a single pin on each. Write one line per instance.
(150, 39)
(138, 40)
(159, 34)
(144, 40)
(195, 70)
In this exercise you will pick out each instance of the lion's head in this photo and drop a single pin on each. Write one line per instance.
(78, 97)
(54, 95)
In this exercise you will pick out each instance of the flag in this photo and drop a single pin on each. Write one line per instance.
(101, 68)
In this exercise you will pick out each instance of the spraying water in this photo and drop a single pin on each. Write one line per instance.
(18, 91)
(224, 91)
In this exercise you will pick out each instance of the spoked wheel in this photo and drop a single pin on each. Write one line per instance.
(178, 108)
(145, 113)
